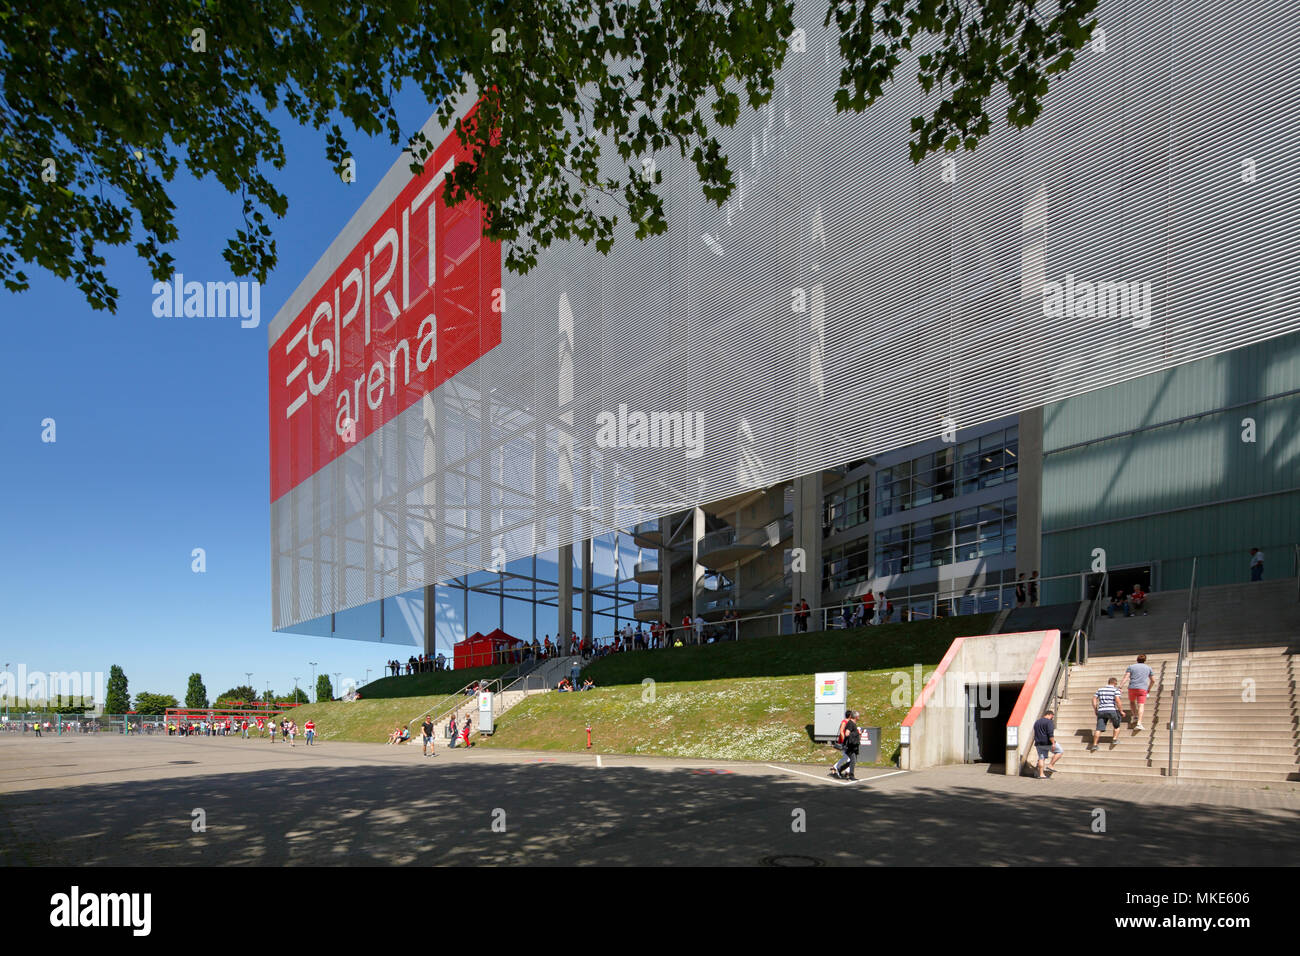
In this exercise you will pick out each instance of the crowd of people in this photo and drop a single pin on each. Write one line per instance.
(423, 664)
(285, 728)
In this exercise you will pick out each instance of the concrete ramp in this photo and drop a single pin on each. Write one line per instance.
(981, 702)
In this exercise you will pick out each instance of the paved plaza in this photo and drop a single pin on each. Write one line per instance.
(116, 801)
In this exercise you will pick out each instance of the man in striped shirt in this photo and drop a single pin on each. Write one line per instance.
(1109, 710)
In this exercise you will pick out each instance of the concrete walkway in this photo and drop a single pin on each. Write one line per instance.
(108, 800)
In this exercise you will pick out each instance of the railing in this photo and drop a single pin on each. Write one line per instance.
(1295, 569)
(1178, 695)
(1184, 649)
(459, 698)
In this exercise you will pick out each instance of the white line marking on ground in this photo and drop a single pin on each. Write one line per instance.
(598, 763)
(842, 783)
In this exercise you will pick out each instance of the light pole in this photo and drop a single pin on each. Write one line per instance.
(7, 696)
(249, 685)
(367, 675)
(313, 680)
(295, 690)
(267, 698)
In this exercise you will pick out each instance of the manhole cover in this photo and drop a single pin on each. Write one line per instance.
(791, 859)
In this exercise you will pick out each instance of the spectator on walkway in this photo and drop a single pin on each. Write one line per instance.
(869, 607)
(426, 736)
(859, 614)
(1119, 603)
(1045, 743)
(1106, 705)
(451, 730)
(1020, 590)
(1138, 679)
(1256, 564)
(1138, 599)
(699, 629)
(575, 671)
(801, 617)
(851, 737)
(889, 609)
(464, 733)
(1033, 589)
(310, 731)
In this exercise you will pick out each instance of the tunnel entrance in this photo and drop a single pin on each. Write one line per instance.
(987, 708)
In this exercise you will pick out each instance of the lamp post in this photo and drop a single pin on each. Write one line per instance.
(7, 696)
(313, 680)
(267, 699)
(295, 690)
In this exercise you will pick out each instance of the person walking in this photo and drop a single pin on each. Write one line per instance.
(1049, 751)
(451, 732)
(1137, 677)
(309, 729)
(1033, 589)
(274, 728)
(1106, 705)
(1256, 564)
(1020, 591)
(852, 739)
(426, 735)
(464, 733)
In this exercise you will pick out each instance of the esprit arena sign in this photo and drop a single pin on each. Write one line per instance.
(414, 300)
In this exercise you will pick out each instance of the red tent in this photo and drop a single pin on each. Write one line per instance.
(480, 650)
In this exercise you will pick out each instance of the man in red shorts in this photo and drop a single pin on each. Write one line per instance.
(1138, 679)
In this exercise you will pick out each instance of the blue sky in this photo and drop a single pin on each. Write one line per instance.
(161, 448)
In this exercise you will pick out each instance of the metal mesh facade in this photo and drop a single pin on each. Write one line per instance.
(843, 303)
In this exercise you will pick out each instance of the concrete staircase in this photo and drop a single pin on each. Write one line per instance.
(1239, 717)
(1139, 754)
(1238, 721)
(1228, 617)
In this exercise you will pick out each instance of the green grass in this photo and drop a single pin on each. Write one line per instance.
(748, 700)
(859, 649)
(753, 718)
(429, 683)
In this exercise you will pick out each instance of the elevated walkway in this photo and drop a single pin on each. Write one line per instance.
(1227, 617)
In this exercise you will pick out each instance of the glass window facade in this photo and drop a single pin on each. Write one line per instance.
(945, 539)
(944, 474)
(848, 508)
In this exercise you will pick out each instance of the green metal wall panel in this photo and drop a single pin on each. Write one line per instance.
(1191, 488)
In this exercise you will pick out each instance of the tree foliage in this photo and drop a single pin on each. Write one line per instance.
(116, 698)
(242, 693)
(103, 105)
(324, 689)
(196, 695)
(154, 704)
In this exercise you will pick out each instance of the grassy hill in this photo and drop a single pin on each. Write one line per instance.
(429, 683)
(859, 649)
(749, 700)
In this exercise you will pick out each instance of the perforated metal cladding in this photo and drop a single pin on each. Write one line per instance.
(922, 300)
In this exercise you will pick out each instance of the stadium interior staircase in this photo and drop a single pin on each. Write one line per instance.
(1238, 718)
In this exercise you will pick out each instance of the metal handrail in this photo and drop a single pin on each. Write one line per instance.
(460, 696)
(1183, 644)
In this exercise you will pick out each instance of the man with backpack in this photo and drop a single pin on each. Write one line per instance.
(851, 738)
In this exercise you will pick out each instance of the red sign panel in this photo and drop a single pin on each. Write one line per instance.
(417, 300)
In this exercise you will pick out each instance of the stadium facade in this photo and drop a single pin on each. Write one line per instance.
(858, 373)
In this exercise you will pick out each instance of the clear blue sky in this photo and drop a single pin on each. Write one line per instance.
(161, 448)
